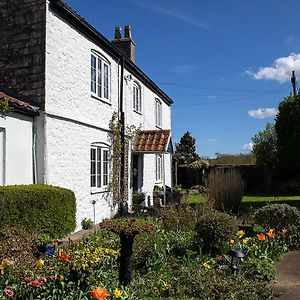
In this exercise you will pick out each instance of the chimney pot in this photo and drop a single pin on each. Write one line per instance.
(118, 33)
(127, 32)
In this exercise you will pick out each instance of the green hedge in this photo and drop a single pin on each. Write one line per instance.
(40, 208)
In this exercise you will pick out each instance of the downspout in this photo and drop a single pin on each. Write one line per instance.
(34, 150)
(122, 133)
(164, 178)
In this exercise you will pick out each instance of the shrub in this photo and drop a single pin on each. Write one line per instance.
(225, 188)
(277, 216)
(181, 217)
(138, 198)
(87, 224)
(214, 230)
(45, 208)
(261, 268)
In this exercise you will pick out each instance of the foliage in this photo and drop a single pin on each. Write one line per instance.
(48, 209)
(225, 188)
(117, 151)
(138, 198)
(261, 268)
(5, 108)
(129, 226)
(265, 146)
(87, 224)
(199, 164)
(17, 248)
(186, 150)
(214, 229)
(232, 159)
(277, 216)
(288, 133)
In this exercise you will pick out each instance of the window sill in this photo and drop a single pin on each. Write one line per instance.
(138, 112)
(99, 191)
(106, 101)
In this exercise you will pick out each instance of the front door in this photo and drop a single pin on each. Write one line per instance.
(137, 172)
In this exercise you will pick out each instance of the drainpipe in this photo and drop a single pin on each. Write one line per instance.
(34, 150)
(122, 133)
(164, 178)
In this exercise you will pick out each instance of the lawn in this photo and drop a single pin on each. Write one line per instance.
(255, 200)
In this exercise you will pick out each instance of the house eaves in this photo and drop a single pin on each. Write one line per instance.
(73, 18)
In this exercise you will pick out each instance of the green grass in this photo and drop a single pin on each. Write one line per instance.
(255, 200)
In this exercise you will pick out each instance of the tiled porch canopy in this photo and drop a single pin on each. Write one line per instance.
(153, 141)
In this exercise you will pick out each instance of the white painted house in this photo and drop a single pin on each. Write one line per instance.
(78, 79)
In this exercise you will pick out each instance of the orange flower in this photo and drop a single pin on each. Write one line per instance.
(284, 230)
(63, 256)
(100, 293)
(261, 237)
(270, 234)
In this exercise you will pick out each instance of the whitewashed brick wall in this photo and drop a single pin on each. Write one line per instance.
(75, 119)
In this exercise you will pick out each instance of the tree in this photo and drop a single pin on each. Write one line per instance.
(288, 133)
(186, 150)
(265, 146)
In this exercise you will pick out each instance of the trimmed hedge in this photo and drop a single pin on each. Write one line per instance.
(41, 208)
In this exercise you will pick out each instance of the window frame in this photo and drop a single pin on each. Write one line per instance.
(158, 113)
(100, 82)
(158, 168)
(137, 97)
(99, 162)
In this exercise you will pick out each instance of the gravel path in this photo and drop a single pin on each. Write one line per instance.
(287, 285)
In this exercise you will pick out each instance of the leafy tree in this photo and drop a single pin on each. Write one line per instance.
(186, 150)
(265, 146)
(288, 133)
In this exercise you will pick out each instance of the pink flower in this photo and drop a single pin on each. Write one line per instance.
(52, 278)
(9, 293)
(35, 283)
(42, 279)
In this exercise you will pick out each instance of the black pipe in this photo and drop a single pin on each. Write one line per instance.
(122, 134)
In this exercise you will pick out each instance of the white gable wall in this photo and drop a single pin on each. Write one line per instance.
(75, 119)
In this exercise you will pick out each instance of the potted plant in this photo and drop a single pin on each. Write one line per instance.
(46, 244)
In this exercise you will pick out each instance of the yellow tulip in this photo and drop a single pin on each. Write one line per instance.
(40, 263)
(118, 293)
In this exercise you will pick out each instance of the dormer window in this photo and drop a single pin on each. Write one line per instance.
(137, 101)
(100, 77)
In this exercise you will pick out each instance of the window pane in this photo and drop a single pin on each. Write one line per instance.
(105, 167)
(106, 81)
(93, 73)
(93, 181)
(99, 77)
(99, 167)
(134, 95)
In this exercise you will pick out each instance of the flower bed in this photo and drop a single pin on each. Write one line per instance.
(168, 264)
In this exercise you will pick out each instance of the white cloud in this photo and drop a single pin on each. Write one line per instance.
(180, 69)
(248, 147)
(262, 113)
(168, 11)
(280, 70)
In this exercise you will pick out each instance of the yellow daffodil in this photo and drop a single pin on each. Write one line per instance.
(40, 263)
(206, 265)
(231, 242)
(240, 233)
(118, 293)
(245, 241)
(254, 246)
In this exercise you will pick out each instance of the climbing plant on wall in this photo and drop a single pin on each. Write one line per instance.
(119, 196)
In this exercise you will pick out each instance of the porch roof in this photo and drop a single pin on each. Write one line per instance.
(152, 141)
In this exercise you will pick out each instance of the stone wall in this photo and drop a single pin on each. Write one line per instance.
(22, 47)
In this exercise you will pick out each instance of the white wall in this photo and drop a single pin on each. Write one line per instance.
(75, 119)
(16, 149)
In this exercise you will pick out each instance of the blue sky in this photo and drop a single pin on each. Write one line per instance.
(226, 64)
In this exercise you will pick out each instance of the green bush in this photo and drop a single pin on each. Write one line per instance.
(87, 224)
(47, 209)
(261, 268)
(277, 216)
(214, 230)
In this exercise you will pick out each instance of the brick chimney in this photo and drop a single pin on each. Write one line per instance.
(126, 44)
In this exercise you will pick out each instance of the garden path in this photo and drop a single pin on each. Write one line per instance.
(287, 285)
